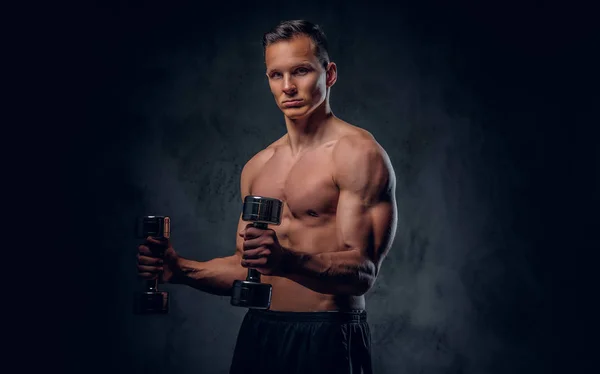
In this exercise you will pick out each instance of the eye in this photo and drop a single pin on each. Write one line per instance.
(275, 75)
(301, 71)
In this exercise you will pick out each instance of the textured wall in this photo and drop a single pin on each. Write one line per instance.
(179, 102)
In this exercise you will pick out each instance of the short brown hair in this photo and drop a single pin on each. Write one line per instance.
(287, 30)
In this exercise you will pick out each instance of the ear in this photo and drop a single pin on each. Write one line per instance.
(331, 74)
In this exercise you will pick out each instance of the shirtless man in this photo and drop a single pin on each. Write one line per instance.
(338, 222)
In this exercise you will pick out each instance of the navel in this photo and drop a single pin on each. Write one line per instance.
(312, 213)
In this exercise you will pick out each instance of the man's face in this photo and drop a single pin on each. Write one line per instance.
(296, 77)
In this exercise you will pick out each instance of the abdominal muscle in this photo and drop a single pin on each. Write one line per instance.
(292, 297)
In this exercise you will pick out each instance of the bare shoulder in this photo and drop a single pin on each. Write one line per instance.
(256, 162)
(349, 136)
(361, 162)
(356, 143)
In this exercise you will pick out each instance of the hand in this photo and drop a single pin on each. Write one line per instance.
(262, 250)
(156, 258)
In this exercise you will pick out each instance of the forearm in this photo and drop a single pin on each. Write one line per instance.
(215, 276)
(339, 273)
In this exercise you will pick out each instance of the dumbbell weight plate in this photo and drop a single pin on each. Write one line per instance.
(251, 295)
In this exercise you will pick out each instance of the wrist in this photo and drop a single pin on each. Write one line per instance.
(177, 265)
(291, 262)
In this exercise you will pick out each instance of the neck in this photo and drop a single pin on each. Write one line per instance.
(307, 132)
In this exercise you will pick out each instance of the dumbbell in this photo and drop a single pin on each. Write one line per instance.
(251, 293)
(151, 300)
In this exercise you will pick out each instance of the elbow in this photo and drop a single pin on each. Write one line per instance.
(364, 284)
(366, 280)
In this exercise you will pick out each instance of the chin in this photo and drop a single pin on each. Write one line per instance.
(296, 113)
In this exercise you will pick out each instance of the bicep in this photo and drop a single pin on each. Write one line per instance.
(366, 228)
(367, 213)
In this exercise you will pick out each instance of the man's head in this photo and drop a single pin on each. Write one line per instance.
(298, 66)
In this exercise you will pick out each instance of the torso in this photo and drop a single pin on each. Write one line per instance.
(306, 186)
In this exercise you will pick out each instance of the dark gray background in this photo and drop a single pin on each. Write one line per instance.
(483, 110)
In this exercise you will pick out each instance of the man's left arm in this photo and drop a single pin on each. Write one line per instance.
(366, 220)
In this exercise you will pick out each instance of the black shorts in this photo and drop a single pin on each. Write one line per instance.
(273, 342)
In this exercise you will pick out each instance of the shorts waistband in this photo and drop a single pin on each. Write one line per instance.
(324, 316)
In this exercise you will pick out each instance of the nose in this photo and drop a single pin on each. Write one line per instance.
(288, 86)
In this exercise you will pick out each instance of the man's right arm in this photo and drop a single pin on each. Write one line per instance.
(216, 276)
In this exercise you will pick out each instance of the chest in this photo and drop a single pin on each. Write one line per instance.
(304, 184)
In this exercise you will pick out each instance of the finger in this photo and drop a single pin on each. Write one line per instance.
(144, 250)
(267, 241)
(252, 244)
(253, 232)
(264, 241)
(156, 247)
(147, 260)
(157, 241)
(256, 253)
(247, 256)
(258, 263)
(149, 269)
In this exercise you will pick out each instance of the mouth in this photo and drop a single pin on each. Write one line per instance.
(292, 103)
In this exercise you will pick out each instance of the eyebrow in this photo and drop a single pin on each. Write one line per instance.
(299, 65)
